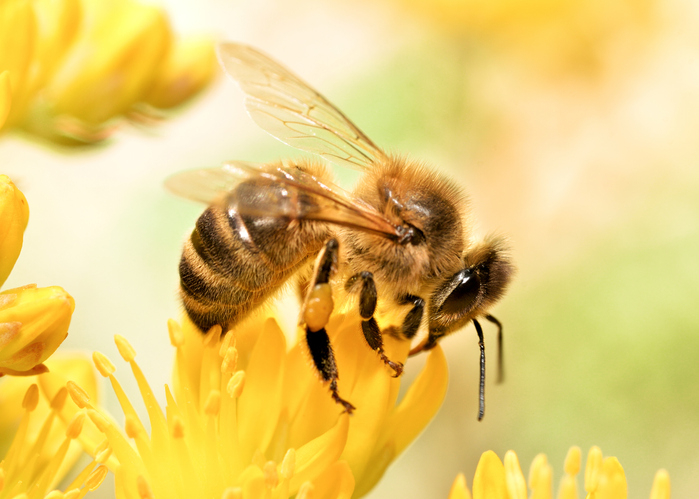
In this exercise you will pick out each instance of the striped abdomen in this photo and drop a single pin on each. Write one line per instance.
(237, 256)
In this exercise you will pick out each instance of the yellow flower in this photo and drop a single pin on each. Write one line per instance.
(247, 416)
(604, 478)
(74, 67)
(33, 321)
(44, 424)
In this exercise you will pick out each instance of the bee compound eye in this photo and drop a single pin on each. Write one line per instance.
(463, 296)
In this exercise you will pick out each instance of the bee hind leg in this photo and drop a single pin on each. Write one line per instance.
(367, 307)
(317, 308)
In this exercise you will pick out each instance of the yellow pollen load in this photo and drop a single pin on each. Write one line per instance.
(319, 306)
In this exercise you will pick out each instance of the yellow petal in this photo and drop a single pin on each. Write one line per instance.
(260, 402)
(319, 453)
(33, 322)
(459, 489)
(5, 100)
(489, 481)
(14, 215)
(336, 482)
(188, 68)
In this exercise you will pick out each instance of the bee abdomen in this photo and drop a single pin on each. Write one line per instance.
(231, 263)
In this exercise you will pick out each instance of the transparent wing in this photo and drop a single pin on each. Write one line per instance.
(293, 112)
(295, 194)
(207, 185)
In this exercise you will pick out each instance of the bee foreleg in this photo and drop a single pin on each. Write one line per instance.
(367, 307)
(317, 308)
(501, 364)
(413, 318)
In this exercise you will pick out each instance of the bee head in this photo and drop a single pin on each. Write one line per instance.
(470, 292)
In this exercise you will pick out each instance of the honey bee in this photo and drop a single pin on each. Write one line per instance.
(401, 235)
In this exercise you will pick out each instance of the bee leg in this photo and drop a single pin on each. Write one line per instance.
(481, 384)
(501, 364)
(367, 307)
(412, 320)
(317, 308)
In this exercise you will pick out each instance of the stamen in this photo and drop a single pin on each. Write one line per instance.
(573, 460)
(59, 399)
(175, 332)
(516, 486)
(75, 427)
(270, 473)
(289, 464)
(103, 364)
(79, 396)
(213, 403)
(96, 478)
(102, 456)
(305, 491)
(661, 485)
(212, 335)
(236, 384)
(72, 494)
(55, 494)
(100, 421)
(132, 426)
(592, 469)
(31, 398)
(144, 491)
(126, 351)
(535, 468)
(230, 360)
(232, 493)
(227, 342)
(177, 427)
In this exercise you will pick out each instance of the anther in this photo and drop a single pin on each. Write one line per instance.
(230, 360)
(212, 335)
(177, 427)
(31, 398)
(72, 494)
(269, 471)
(132, 426)
(144, 490)
(175, 332)
(305, 491)
(75, 426)
(661, 485)
(213, 403)
(514, 479)
(572, 462)
(54, 494)
(232, 493)
(79, 396)
(593, 469)
(288, 466)
(59, 400)
(103, 364)
(96, 478)
(236, 384)
(126, 351)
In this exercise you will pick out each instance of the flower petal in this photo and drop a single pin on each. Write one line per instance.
(612, 481)
(5, 104)
(33, 322)
(336, 482)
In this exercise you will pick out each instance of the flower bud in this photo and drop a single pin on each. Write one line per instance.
(33, 322)
(14, 215)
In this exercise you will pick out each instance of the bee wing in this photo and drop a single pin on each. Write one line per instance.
(293, 112)
(301, 196)
(207, 185)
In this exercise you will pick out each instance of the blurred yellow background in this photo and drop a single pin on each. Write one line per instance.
(573, 127)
